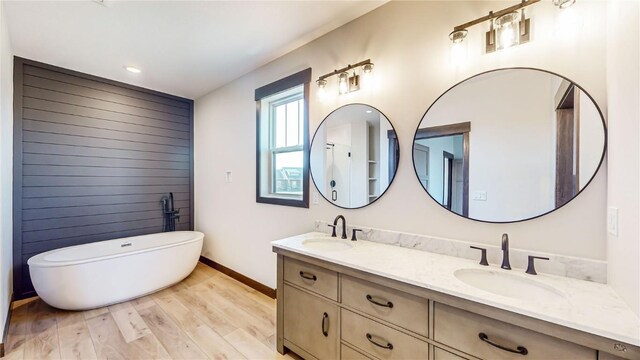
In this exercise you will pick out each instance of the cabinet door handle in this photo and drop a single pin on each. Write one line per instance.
(389, 304)
(308, 276)
(519, 350)
(325, 327)
(389, 345)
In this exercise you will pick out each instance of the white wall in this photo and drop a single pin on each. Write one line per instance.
(623, 96)
(408, 42)
(6, 170)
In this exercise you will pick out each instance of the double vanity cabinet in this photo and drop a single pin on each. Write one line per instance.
(329, 310)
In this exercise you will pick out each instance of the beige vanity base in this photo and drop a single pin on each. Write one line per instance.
(329, 311)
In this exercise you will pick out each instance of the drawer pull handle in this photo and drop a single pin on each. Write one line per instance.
(307, 276)
(519, 350)
(389, 345)
(325, 327)
(389, 304)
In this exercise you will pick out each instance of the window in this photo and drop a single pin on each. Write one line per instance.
(283, 142)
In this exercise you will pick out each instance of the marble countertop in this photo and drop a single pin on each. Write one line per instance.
(587, 306)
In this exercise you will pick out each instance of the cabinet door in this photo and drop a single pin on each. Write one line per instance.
(311, 323)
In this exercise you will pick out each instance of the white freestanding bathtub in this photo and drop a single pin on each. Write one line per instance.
(107, 272)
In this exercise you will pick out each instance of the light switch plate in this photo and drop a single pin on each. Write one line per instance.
(228, 176)
(612, 220)
(479, 196)
(316, 200)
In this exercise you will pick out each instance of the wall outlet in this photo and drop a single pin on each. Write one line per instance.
(612, 220)
(228, 176)
(479, 196)
(316, 198)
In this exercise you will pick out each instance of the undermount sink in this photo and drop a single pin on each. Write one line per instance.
(327, 244)
(509, 285)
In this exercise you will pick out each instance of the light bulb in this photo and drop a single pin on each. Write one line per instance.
(507, 36)
(343, 83)
(458, 46)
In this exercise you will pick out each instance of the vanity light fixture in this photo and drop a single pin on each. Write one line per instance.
(132, 69)
(347, 82)
(507, 27)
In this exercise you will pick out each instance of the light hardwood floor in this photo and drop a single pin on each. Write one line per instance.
(208, 315)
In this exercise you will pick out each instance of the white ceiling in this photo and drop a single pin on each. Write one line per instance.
(186, 48)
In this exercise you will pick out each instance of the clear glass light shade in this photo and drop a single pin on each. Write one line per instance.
(507, 30)
(458, 46)
(343, 83)
(563, 4)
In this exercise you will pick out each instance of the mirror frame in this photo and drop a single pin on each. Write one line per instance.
(394, 155)
(602, 156)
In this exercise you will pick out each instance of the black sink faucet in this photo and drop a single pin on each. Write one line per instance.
(344, 226)
(505, 252)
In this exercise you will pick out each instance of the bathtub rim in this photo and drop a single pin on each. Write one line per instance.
(39, 262)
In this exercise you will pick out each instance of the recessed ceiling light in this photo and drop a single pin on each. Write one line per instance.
(133, 69)
(368, 111)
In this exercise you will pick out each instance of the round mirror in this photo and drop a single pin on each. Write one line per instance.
(509, 145)
(354, 156)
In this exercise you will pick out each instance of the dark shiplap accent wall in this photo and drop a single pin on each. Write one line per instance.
(92, 157)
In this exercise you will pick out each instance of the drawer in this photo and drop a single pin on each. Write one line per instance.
(380, 340)
(347, 353)
(461, 330)
(311, 323)
(399, 308)
(439, 354)
(314, 278)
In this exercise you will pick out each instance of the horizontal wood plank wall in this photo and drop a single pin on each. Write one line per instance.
(92, 159)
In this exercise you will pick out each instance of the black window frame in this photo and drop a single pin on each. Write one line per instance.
(302, 78)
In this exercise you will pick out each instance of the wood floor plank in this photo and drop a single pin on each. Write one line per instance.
(251, 303)
(212, 316)
(88, 314)
(75, 341)
(195, 278)
(209, 341)
(129, 321)
(110, 343)
(69, 318)
(143, 302)
(251, 347)
(172, 338)
(42, 336)
(107, 339)
(148, 347)
(252, 323)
